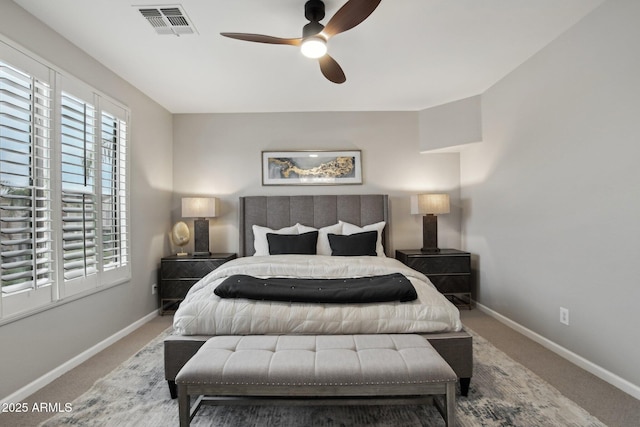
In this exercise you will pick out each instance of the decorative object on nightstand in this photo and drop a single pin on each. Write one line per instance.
(449, 270)
(430, 205)
(178, 273)
(200, 208)
(180, 236)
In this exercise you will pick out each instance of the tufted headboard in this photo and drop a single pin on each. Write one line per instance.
(316, 211)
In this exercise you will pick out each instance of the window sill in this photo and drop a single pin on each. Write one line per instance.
(55, 304)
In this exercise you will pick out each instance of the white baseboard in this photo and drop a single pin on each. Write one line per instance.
(572, 357)
(47, 378)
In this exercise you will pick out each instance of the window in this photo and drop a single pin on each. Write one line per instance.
(25, 186)
(78, 195)
(63, 187)
(115, 224)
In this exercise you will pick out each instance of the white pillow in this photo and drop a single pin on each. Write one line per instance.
(348, 229)
(304, 228)
(260, 242)
(323, 247)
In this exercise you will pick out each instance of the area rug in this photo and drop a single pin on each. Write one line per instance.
(502, 393)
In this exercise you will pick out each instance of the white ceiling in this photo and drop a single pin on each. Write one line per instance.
(408, 55)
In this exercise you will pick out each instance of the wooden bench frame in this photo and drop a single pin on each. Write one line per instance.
(215, 395)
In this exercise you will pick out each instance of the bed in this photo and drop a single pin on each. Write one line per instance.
(331, 224)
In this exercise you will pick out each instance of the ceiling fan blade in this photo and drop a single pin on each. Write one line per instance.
(259, 38)
(349, 15)
(331, 69)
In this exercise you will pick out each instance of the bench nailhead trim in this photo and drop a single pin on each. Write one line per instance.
(317, 384)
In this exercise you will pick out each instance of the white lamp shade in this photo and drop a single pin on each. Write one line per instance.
(199, 207)
(435, 204)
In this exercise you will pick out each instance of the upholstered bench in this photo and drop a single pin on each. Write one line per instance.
(316, 370)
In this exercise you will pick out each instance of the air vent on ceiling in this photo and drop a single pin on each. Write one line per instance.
(168, 19)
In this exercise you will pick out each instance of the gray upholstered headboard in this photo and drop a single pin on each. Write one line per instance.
(315, 211)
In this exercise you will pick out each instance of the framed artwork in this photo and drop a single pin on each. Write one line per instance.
(311, 167)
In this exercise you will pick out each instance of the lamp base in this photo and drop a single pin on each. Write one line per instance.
(201, 237)
(430, 233)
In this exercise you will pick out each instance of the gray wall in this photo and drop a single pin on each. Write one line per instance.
(33, 346)
(447, 127)
(220, 155)
(551, 195)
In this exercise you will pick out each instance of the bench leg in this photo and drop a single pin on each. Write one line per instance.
(464, 386)
(173, 391)
(450, 401)
(184, 406)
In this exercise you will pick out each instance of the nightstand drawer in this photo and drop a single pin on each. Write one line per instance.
(176, 289)
(440, 264)
(452, 284)
(188, 269)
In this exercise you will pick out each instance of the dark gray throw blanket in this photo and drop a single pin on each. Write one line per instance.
(384, 288)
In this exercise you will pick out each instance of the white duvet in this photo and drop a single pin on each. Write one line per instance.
(204, 313)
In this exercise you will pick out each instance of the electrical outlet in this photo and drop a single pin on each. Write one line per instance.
(154, 289)
(564, 316)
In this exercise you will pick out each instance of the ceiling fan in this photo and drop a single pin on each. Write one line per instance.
(315, 36)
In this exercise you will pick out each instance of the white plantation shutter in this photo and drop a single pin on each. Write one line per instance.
(78, 177)
(64, 220)
(25, 184)
(115, 223)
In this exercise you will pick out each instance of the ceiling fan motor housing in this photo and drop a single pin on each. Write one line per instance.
(311, 29)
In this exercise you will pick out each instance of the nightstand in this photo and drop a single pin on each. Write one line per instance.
(178, 273)
(449, 270)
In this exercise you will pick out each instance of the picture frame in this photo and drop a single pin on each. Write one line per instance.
(312, 167)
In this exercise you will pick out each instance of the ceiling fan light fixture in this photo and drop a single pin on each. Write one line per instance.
(314, 47)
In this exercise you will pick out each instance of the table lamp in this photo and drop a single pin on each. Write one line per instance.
(430, 205)
(200, 208)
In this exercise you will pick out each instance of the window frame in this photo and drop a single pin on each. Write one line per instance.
(23, 303)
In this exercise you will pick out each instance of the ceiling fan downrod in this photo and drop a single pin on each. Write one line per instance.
(314, 10)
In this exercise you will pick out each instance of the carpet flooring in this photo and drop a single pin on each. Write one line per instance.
(503, 393)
